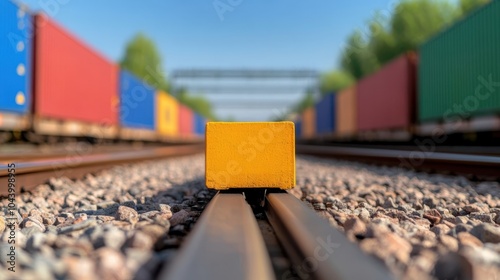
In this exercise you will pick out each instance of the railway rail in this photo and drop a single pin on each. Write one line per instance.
(31, 173)
(227, 243)
(464, 164)
(29, 152)
(250, 232)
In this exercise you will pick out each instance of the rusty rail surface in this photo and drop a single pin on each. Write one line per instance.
(464, 164)
(226, 244)
(32, 173)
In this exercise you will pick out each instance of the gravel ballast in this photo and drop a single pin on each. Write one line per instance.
(422, 226)
(123, 223)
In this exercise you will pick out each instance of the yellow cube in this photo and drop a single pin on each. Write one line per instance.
(250, 155)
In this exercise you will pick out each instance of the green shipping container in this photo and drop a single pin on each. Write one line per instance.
(459, 73)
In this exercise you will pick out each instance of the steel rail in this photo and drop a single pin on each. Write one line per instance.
(317, 250)
(479, 165)
(226, 243)
(32, 173)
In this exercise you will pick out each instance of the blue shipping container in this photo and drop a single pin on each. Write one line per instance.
(199, 124)
(137, 102)
(15, 58)
(325, 115)
(298, 129)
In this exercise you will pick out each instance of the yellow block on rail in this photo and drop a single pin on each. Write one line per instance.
(250, 155)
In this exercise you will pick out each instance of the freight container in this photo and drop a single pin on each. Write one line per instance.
(137, 106)
(167, 114)
(386, 99)
(346, 112)
(325, 115)
(15, 56)
(199, 124)
(72, 81)
(298, 129)
(459, 71)
(308, 123)
(186, 121)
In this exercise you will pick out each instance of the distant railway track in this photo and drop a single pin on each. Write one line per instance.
(486, 150)
(456, 163)
(29, 174)
(28, 152)
(228, 244)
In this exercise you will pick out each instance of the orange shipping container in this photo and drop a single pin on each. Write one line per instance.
(308, 123)
(167, 118)
(346, 112)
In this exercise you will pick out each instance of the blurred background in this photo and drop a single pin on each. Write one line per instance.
(334, 43)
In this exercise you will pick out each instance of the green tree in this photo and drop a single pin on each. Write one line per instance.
(410, 24)
(467, 6)
(143, 59)
(335, 81)
(414, 21)
(198, 104)
(357, 59)
(382, 43)
(306, 102)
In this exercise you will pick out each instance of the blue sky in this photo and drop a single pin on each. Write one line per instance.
(190, 34)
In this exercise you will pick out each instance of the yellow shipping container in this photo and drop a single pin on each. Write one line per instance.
(167, 114)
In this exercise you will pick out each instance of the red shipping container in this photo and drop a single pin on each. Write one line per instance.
(72, 81)
(386, 99)
(186, 121)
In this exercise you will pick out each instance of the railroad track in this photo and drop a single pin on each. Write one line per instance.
(481, 166)
(25, 152)
(227, 243)
(31, 173)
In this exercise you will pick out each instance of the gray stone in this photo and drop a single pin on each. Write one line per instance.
(89, 208)
(449, 242)
(112, 238)
(67, 215)
(453, 266)
(140, 240)
(461, 220)
(110, 264)
(127, 214)
(486, 233)
(70, 200)
(179, 218)
(35, 241)
(440, 229)
(130, 204)
(29, 231)
(471, 208)
(77, 227)
(136, 258)
(389, 203)
(483, 217)
(107, 204)
(48, 218)
(482, 255)
(33, 222)
(81, 216)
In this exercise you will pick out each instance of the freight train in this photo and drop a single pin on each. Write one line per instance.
(53, 85)
(451, 86)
